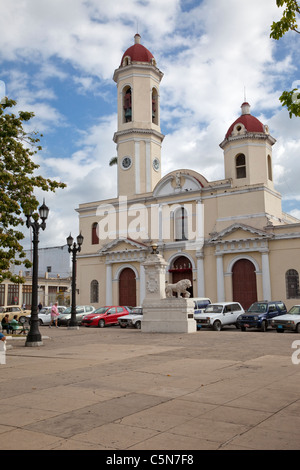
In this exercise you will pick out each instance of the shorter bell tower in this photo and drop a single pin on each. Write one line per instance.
(248, 151)
(138, 137)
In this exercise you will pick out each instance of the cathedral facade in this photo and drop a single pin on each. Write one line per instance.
(229, 237)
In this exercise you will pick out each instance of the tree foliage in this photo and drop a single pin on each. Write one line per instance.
(18, 179)
(288, 22)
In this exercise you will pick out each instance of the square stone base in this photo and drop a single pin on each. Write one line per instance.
(171, 315)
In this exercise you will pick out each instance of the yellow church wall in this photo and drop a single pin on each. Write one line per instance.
(284, 255)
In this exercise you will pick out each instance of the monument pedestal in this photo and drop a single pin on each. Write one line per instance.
(161, 314)
(168, 316)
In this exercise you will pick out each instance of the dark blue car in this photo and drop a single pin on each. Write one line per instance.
(260, 314)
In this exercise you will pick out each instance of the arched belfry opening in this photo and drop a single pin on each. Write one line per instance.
(127, 105)
(154, 106)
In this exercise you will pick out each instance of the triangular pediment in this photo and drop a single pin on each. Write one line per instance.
(238, 232)
(121, 245)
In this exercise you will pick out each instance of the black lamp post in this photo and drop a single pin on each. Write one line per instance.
(34, 337)
(74, 248)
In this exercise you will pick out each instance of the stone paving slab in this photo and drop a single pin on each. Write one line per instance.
(115, 389)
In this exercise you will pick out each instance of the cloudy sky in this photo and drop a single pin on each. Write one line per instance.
(57, 59)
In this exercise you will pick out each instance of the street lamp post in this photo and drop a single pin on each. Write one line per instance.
(74, 248)
(34, 337)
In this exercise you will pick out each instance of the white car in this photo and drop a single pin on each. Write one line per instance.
(200, 304)
(134, 318)
(219, 314)
(289, 321)
(45, 314)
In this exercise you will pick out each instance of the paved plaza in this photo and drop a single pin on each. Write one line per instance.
(122, 389)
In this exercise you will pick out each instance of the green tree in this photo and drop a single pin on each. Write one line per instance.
(18, 179)
(288, 22)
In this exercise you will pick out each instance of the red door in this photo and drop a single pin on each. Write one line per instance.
(244, 283)
(127, 288)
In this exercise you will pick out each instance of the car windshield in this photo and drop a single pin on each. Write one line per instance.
(101, 310)
(68, 310)
(137, 311)
(260, 307)
(295, 310)
(214, 309)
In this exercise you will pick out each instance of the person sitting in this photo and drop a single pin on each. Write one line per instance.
(14, 323)
(5, 324)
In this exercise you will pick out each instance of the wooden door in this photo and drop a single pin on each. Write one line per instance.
(127, 288)
(244, 283)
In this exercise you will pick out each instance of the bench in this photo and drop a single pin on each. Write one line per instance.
(23, 328)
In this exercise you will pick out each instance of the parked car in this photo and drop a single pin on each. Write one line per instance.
(219, 314)
(64, 318)
(260, 314)
(45, 314)
(288, 321)
(200, 305)
(134, 318)
(13, 310)
(104, 316)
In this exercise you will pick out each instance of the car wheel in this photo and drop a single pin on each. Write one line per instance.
(217, 325)
(138, 325)
(298, 328)
(101, 323)
(22, 319)
(264, 326)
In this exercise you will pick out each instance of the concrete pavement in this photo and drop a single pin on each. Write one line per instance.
(122, 389)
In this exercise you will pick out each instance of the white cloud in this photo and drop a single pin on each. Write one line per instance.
(209, 51)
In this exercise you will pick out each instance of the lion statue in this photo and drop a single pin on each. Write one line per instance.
(180, 288)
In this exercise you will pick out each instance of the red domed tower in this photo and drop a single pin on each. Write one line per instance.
(248, 151)
(138, 137)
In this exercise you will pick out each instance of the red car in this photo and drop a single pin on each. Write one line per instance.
(104, 316)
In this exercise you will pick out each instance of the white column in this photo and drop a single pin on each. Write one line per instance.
(142, 284)
(108, 293)
(148, 167)
(137, 167)
(266, 281)
(220, 279)
(200, 277)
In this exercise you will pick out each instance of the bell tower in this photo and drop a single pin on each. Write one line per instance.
(138, 137)
(248, 151)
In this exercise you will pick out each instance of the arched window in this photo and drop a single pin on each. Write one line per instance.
(95, 238)
(94, 294)
(154, 106)
(180, 224)
(240, 165)
(292, 284)
(270, 173)
(127, 106)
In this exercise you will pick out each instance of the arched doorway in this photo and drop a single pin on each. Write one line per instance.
(182, 269)
(127, 288)
(244, 283)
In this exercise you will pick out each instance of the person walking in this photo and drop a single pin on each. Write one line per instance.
(54, 315)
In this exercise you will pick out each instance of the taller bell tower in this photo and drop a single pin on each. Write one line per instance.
(138, 137)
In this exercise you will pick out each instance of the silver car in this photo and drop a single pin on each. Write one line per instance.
(134, 318)
(290, 321)
(45, 314)
(81, 310)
